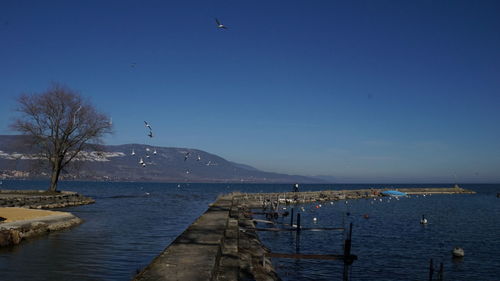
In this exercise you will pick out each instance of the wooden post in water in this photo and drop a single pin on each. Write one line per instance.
(297, 234)
(298, 222)
(431, 270)
(347, 254)
(440, 274)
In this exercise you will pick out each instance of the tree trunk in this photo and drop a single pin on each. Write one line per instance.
(56, 170)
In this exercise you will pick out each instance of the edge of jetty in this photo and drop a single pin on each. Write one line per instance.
(222, 244)
(40, 222)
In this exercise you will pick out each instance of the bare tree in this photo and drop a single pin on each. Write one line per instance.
(60, 125)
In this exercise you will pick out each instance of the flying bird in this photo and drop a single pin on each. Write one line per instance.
(219, 24)
(147, 125)
(150, 134)
(186, 156)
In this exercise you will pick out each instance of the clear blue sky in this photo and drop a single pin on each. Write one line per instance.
(366, 91)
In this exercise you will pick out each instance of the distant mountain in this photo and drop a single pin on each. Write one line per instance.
(327, 179)
(122, 163)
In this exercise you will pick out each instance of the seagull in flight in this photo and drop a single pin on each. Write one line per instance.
(147, 125)
(150, 134)
(219, 24)
(186, 156)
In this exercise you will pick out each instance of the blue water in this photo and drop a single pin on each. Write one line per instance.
(131, 223)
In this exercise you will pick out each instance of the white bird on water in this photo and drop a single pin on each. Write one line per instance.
(219, 24)
(133, 152)
(423, 220)
(141, 161)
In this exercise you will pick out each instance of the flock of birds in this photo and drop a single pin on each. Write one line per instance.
(219, 25)
(148, 150)
(151, 152)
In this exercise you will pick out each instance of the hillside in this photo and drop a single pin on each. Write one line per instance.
(122, 163)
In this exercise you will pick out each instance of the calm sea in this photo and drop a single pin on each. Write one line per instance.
(131, 223)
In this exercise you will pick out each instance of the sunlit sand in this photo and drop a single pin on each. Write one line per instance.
(12, 214)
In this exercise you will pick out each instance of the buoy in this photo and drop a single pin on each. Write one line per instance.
(458, 252)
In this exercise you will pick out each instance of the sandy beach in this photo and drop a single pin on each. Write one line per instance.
(12, 214)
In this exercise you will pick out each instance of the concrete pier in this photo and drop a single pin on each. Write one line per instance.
(222, 244)
(194, 255)
(213, 248)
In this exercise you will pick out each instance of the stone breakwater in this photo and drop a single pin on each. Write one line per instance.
(41, 199)
(258, 200)
(223, 245)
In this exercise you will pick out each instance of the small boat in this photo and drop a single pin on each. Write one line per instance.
(393, 193)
